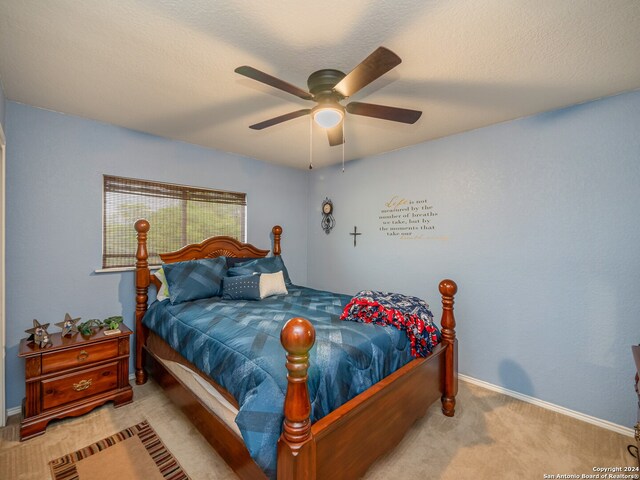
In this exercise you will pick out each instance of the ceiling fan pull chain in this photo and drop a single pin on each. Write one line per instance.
(344, 140)
(310, 142)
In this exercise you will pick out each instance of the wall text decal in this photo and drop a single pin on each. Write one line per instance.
(407, 219)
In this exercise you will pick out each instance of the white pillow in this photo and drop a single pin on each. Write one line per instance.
(163, 291)
(272, 284)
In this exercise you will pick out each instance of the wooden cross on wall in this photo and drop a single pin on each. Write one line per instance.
(355, 235)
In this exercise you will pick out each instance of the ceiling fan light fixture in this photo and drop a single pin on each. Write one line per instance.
(328, 117)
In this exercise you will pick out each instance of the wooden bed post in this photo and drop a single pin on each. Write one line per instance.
(142, 290)
(277, 232)
(296, 447)
(448, 289)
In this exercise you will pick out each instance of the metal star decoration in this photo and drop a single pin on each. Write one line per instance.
(68, 325)
(38, 334)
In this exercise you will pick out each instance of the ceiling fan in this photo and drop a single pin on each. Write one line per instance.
(328, 87)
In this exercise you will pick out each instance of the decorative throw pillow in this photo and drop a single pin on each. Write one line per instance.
(163, 291)
(260, 265)
(195, 279)
(272, 284)
(233, 261)
(241, 288)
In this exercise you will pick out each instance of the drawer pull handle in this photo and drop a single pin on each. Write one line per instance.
(82, 356)
(82, 385)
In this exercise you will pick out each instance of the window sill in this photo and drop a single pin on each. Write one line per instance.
(114, 270)
(122, 269)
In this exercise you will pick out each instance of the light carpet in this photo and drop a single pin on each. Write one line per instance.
(492, 436)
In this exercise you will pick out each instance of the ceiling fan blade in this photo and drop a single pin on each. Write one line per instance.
(335, 135)
(372, 67)
(280, 119)
(273, 81)
(394, 114)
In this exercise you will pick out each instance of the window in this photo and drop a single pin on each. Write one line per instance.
(178, 215)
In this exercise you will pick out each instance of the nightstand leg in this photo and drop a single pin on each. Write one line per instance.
(123, 398)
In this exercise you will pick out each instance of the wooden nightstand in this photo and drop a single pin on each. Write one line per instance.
(73, 376)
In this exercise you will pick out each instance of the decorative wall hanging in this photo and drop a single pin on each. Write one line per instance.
(328, 222)
(38, 334)
(408, 218)
(355, 235)
(68, 325)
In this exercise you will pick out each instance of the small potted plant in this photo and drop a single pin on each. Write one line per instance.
(110, 325)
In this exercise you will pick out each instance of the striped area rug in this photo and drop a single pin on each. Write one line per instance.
(134, 453)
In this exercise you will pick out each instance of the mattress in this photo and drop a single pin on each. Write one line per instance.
(209, 395)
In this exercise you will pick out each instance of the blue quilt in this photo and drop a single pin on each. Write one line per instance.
(237, 343)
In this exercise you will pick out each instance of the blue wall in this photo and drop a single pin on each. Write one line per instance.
(537, 222)
(55, 164)
(2, 106)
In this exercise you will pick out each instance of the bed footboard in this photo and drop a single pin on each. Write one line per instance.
(346, 442)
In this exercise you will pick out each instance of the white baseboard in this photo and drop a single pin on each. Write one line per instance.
(629, 432)
(15, 410)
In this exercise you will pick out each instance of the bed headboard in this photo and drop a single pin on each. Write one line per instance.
(218, 246)
(209, 248)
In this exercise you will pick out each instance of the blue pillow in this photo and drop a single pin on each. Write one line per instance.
(233, 261)
(259, 265)
(195, 279)
(241, 288)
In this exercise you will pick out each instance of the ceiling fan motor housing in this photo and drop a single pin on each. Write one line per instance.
(321, 85)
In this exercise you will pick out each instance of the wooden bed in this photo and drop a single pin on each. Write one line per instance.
(343, 444)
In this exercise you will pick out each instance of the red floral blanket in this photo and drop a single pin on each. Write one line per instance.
(410, 314)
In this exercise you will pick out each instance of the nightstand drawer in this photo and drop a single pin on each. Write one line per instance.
(91, 381)
(76, 357)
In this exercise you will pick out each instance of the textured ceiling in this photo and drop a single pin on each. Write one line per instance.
(166, 67)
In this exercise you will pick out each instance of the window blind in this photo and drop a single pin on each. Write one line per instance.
(178, 215)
